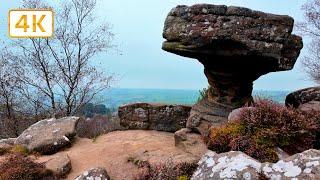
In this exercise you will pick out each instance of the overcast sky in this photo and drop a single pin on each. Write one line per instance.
(140, 62)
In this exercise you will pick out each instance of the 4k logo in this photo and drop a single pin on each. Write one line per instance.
(31, 23)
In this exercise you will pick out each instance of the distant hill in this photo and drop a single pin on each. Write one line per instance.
(115, 97)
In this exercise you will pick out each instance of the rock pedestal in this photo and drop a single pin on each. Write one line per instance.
(236, 46)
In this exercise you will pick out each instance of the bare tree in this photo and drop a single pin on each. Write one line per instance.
(9, 95)
(79, 37)
(311, 28)
(62, 68)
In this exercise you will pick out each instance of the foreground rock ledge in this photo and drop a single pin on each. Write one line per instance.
(236, 46)
(237, 165)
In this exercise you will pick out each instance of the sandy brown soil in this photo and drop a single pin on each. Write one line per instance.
(111, 151)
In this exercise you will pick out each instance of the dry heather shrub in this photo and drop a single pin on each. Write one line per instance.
(166, 171)
(18, 166)
(4, 151)
(19, 150)
(261, 129)
(99, 124)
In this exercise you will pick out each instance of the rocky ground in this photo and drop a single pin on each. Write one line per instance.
(112, 151)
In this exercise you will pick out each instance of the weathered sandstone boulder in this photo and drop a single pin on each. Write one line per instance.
(94, 173)
(189, 141)
(236, 46)
(231, 165)
(59, 165)
(144, 116)
(237, 165)
(49, 136)
(305, 99)
(304, 166)
(236, 113)
(7, 143)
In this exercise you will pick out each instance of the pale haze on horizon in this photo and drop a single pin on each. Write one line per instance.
(139, 61)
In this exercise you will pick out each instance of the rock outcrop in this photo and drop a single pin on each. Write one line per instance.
(237, 165)
(231, 165)
(236, 46)
(49, 136)
(305, 99)
(7, 143)
(144, 116)
(94, 173)
(189, 141)
(235, 115)
(304, 166)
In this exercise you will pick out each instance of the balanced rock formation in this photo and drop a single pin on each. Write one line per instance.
(237, 165)
(236, 46)
(48, 136)
(144, 116)
(305, 99)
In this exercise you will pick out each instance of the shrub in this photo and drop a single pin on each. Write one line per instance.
(203, 93)
(261, 129)
(4, 151)
(18, 166)
(166, 171)
(99, 124)
(19, 149)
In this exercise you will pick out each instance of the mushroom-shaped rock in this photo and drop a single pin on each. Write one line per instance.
(236, 46)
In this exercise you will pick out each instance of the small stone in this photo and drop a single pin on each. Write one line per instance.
(188, 141)
(60, 165)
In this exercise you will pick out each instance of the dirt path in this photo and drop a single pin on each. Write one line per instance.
(112, 151)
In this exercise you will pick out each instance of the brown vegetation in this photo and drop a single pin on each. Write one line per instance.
(260, 130)
(18, 166)
(96, 126)
(166, 171)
